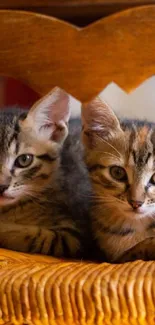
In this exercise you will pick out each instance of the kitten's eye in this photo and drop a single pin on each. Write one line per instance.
(118, 173)
(152, 180)
(24, 161)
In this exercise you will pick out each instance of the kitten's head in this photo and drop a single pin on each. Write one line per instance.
(121, 160)
(30, 147)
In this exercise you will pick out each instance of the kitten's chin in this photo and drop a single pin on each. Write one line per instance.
(4, 200)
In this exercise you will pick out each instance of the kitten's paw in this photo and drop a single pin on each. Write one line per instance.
(42, 242)
(65, 245)
(145, 250)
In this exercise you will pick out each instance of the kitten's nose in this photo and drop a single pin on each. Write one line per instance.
(135, 204)
(3, 188)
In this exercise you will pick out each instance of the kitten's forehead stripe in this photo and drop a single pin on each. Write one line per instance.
(132, 136)
(148, 157)
(140, 145)
(143, 133)
(8, 129)
(134, 156)
(17, 147)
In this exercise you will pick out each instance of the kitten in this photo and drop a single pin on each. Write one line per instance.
(42, 197)
(120, 156)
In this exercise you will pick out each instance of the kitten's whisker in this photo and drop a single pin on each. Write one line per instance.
(110, 145)
(108, 154)
(34, 195)
(105, 199)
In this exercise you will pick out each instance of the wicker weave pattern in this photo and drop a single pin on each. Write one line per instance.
(39, 290)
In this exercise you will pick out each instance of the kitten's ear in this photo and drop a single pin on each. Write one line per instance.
(49, 116)
(99, 121)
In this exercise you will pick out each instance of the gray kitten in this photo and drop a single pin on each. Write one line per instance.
(43, 181)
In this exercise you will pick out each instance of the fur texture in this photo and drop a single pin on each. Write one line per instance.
(42, 198)
(120, 156)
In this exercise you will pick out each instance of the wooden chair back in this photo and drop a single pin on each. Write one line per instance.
(44, 52)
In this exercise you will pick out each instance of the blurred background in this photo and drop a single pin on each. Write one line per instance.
(13, 92)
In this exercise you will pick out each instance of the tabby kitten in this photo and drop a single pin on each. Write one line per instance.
(120, 156)
(37, 213)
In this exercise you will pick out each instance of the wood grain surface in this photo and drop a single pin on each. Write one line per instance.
(44, 52)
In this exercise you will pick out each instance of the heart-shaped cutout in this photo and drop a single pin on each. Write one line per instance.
(45, 52)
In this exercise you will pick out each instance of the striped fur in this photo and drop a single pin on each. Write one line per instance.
(40, 212)
(117, 226)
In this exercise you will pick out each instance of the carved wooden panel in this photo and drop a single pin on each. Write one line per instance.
(45, 52)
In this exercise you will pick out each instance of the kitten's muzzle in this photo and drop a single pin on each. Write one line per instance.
(135, 204)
